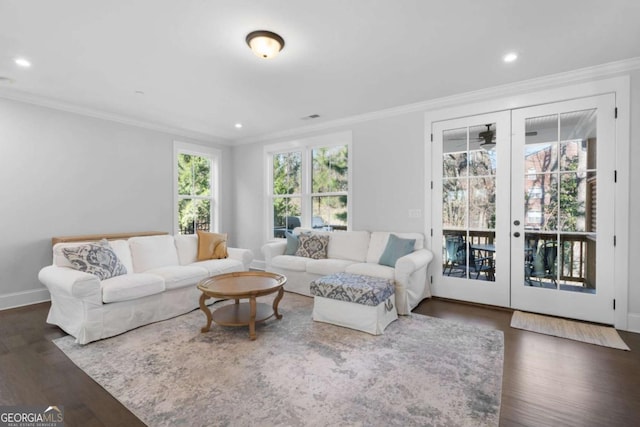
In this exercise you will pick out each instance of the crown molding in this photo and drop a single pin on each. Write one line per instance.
(41, 101)
(539, 83)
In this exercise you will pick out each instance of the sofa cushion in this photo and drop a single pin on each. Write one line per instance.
(178, 276)
(327, 266)
(95, 258)
(396, 248)
(370, 269)
(351, 245)
(151, 252)
(290, 262)
(220, 266)
(121, 248)
(131, 286)
(378, 243)
(187, 247)
(211, 245)
(312, 246)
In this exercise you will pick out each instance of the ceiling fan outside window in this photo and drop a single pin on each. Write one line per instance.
(487, 138)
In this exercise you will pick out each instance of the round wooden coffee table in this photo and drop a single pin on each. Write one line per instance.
(241, 285)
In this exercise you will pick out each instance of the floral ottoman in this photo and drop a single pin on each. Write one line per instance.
(354, 301)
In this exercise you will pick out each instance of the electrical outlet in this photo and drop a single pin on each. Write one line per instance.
(415, 213)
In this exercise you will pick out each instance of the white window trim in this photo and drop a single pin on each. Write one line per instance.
(214, 154)
(305, 145)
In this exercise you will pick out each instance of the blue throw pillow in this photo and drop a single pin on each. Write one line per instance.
(292, 243)
(396, 248)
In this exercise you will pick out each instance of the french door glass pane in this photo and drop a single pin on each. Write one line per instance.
(560, 194)
(468, 202)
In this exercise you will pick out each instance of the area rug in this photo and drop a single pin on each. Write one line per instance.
(573, 330)
(422, 371)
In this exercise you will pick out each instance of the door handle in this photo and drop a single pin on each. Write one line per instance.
(516, 234)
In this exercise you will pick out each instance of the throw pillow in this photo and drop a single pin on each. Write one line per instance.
(396, 248)
(313, 246)
(292, 243)
(211, 246)
(95, 258)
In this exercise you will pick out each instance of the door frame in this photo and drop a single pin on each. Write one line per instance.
(533, 94)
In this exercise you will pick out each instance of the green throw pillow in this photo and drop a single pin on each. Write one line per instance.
(396, 248)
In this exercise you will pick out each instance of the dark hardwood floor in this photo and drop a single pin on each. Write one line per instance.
(547, 381)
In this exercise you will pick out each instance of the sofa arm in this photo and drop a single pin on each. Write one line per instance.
(407, 264)
(243, 255)
(273, 249)
(71, 283)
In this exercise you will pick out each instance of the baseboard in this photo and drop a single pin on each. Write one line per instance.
(633, 322)
(19, 299)
(258, 265)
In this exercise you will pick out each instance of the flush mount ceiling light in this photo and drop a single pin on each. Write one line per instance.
(265, 44)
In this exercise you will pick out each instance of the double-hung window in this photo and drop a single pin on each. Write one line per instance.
(196, 188)
(309, 184)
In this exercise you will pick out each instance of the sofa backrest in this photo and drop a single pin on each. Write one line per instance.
(349, 245)
(379, 239)
(153, 252)
(120, 247)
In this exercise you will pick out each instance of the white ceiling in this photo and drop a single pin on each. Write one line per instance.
(342, 58)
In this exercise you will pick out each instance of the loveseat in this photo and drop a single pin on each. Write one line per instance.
(356, 252)
(160, 282)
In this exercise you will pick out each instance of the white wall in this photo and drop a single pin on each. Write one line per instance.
(66, 174)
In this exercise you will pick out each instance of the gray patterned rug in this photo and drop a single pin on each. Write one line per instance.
(422, 371)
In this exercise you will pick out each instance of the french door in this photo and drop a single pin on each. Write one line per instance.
(562, 246)
(471, 186)
(523, 208)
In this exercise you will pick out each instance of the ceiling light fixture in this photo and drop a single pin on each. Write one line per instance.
(238, 125)
(23, 62)
(510, 57)
(265, 44)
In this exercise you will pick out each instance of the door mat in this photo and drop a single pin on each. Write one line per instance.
(570, 329)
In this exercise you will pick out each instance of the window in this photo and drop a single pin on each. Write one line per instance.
(309, 184)
(196, 188)
(535, 192)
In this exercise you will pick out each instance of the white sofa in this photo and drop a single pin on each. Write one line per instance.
(356, 252)
(162, 273)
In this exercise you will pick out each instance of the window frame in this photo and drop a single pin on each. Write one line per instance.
(306, 147)
(214, 155)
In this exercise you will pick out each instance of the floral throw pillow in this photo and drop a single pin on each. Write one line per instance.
(95, 258)
(312, 246)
